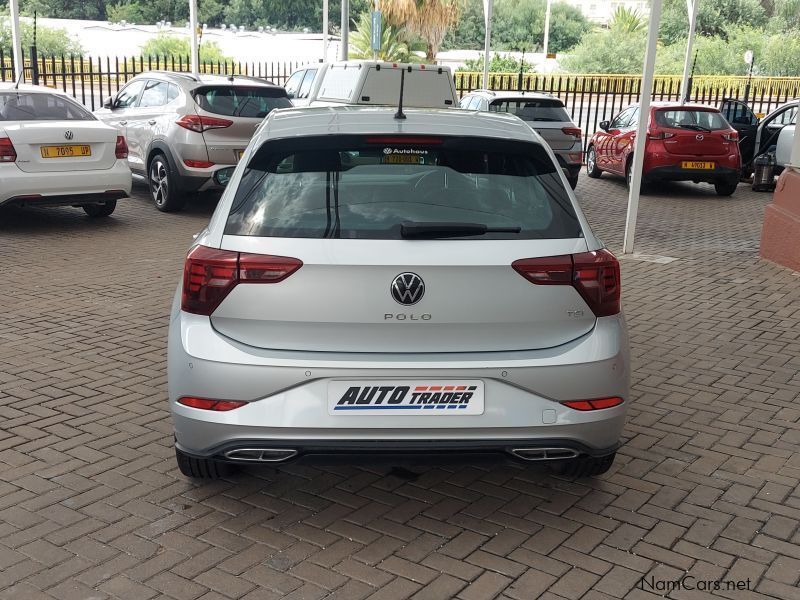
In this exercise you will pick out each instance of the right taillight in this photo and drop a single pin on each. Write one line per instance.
(731, 136)
(209, 275)
(660, 135)
(7, 152)
(595, 275)
(201, 123)
(121, 148)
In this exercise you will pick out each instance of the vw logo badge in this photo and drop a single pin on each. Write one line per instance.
(699, 137)
(68, 135)
(408, 288)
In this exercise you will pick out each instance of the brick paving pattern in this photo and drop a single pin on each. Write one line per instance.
(92, 505)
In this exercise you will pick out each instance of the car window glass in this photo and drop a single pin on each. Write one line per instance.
(308, 80)
(690, 119)
(293, 84)
(529, 109)
(240, 101)
(785, 118)
(129, 94)
(465, 102)
(173, 92)
(475, 103)
(366, 188)
(339, 83)
(155, 94)
(26, 106)
(738, 113)
(622, 119)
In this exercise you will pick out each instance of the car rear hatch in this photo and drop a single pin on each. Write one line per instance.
(547, 116)
(230, 115)
(375, 245)
(694, 132)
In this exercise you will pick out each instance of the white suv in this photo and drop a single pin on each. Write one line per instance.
(370, 82)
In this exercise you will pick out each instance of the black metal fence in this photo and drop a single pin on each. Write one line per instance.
(590, 99)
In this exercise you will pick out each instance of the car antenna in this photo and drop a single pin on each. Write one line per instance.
(19, 79)
(399, 114)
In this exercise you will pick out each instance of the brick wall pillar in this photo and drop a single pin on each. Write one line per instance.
(780, 237)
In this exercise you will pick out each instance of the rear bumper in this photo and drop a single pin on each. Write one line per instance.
(259, 451)
(64, 188)
(287, 395)
(676, 173)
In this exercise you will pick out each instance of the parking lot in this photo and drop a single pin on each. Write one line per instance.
(93, 505)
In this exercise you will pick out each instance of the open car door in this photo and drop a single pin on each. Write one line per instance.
(743, 120)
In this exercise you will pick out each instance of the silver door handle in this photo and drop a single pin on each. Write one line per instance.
(123, 122)
(152, 121)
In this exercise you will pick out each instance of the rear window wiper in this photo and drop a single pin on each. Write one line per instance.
(409, 230)
(695, 127)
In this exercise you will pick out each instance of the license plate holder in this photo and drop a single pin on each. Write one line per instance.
(66, 151)
(426, 397)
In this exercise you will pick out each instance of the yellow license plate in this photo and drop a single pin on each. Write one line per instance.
(404, 159)
(65, 151)
(699, 165)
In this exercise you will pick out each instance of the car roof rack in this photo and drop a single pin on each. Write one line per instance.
(180, 74)
(263, 80)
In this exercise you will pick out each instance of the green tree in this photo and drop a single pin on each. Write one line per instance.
(625, 20)
(168, 45)
(607, 52)
(427, 19)
(713, 18)
(395, 46)
(499, 64)
(49, 41)
(65, 9)
(519, 24)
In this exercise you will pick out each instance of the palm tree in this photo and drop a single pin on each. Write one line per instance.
(394, 45)
(625, 20)
(429, 19)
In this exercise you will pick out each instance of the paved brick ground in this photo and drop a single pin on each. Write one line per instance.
(92, 505)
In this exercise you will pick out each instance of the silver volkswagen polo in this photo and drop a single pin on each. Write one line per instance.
(371, 285)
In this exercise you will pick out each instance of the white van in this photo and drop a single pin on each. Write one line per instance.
(369, 82)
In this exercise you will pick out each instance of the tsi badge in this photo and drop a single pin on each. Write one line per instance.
(429, 397)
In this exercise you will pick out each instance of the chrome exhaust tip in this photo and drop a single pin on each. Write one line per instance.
(536, 454)
(259, 455)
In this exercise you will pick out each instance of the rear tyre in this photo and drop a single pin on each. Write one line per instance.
(100, 210)
(591, 164)
(162, 182)
(629, 178)
(201, 468)
(726, 188)
(585, 466)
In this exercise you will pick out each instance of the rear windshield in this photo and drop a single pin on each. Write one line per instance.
(529, 109)
(24, 106)
(240, 101)
(691, 119)
(365, 188)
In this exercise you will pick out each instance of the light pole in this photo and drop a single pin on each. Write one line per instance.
(343, 51)
(691, 6)
(547, 27)
(487, 15)
(195, 58)
(16, 38)
(324, 30)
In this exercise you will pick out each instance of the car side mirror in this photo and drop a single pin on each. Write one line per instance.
(604, 125)
(108, 102)
(223, 176)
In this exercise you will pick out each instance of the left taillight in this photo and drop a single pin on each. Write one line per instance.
(573, 131)
(209, 275)
(595, 404)
(121, 149)
(7, 151)
(595, 276)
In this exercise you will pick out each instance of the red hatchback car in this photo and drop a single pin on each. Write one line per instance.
(685, 142)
